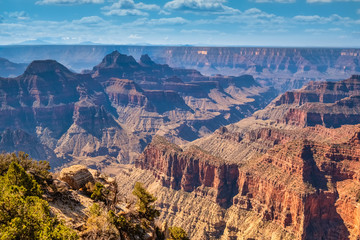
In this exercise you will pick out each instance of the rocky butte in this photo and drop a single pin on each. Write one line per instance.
(114, 110)
(283, 68)
(267, 177)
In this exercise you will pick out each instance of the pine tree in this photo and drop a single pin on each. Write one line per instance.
(145, 205)
(23, 212)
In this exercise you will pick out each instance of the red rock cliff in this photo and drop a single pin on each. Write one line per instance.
(189, 170)
(299, 185)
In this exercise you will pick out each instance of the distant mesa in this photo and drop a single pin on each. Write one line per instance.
(11, 69)
(44, 66)
(282, 68)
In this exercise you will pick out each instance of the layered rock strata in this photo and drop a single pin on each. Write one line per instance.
(302, 177)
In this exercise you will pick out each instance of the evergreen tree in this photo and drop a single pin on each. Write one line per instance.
(23, 213)
(177, 233)
(146, 209)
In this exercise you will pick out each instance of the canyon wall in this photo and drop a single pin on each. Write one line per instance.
(298, 186)
(284, 68)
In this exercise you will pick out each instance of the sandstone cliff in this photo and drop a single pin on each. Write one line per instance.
(115, 110)
(48, 102)
(285, 180)
(300, 186)
(178, 103)
(331, 104)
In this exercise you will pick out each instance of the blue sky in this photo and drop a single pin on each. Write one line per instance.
(323, 23)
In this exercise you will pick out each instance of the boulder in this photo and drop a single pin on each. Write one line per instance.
(77, 176)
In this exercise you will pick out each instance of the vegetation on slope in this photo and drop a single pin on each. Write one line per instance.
(25, 213)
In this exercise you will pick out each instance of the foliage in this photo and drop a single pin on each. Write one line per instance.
(23, 212)
(99, 192)
(95, 210)
(38, 169)
(146, 210)
(16, 176)
(127, 227)
(135, 224)
(177, 233)
(98, 225)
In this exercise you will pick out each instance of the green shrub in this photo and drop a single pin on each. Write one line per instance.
(23, 212)
(177, 233)
(146, 209)
(99, 192)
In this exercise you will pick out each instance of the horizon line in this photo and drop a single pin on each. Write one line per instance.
(176, 45)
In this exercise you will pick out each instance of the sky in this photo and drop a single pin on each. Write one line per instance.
(285, 23)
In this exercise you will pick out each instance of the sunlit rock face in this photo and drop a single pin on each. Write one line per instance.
(47, 102)
(115, 109)
(281, 179)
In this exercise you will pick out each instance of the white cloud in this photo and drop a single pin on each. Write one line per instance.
(89, 20)
(68, 2)
(129, 7)
(130, 4)
(126, 12)
(316, 30)
(159, 21)
(199, 31)
(332, 19)
(207, 6)
(170, 21)
(19, 15)
(358, 11)
(252, 17)
(134, 36)
(163, 12)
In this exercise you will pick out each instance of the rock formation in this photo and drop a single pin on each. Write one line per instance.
(283, 68)
(280, 179)
(50, 103)
(77, 176)
(117, 108)
(179, 103)
(331, 104)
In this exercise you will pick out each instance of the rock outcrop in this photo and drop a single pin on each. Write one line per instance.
(298, 185)
(189, 170)
(178, 103)
(77, 176)
(331, 104)
(49, 103)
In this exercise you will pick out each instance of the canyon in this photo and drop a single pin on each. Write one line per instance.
(224, 156)
(265, 177)
(115, 108)
(283, 68)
